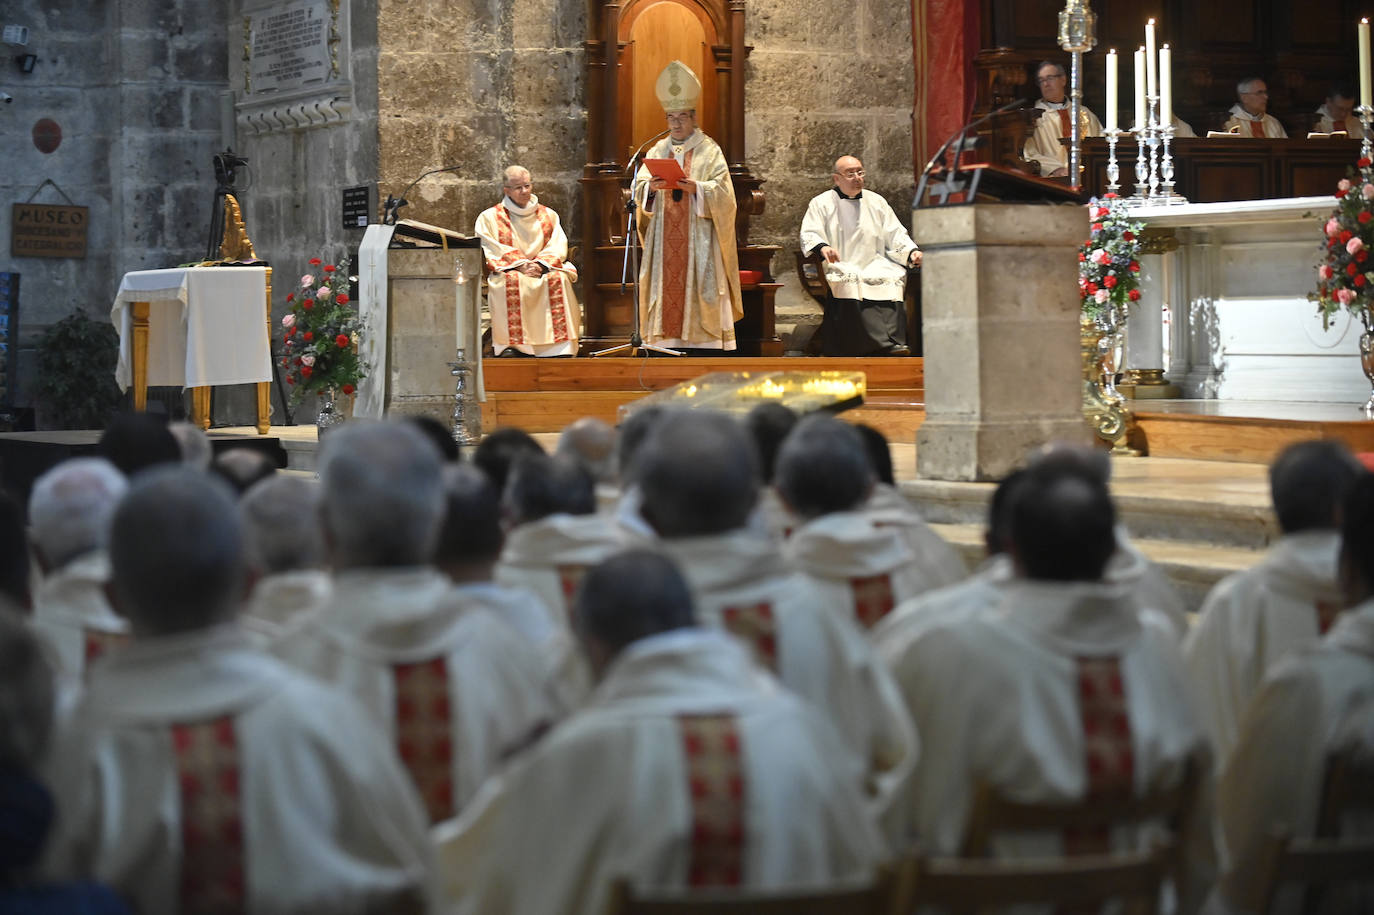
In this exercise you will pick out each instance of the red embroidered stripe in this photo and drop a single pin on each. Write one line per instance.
(558, 308)
(1108, 756)
(569, 577)
(515, 324)
(1257, 129)
(677, 220)
(873, 599)
(545, 224)
(715, 784)
(424, 729)
(1065, 125)
(213, 874)
(755, 624)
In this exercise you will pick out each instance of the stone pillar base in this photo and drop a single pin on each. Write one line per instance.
(971, 450)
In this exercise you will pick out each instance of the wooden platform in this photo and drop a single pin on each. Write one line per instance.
(1248, 431)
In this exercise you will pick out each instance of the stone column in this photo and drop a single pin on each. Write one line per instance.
(1002, 364)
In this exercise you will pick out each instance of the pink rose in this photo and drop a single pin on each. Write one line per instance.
(1344, 184)
(1345, 296)
(1333, 227)
(1101, 296)
(324, 293)
(1354, 245)
(307, 281)
(288, 321)
(1368, 191)
(1100, 256)
(1325, 272)
(308, 360)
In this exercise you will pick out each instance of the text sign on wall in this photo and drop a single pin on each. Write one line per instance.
(44, 230)
(289, 46)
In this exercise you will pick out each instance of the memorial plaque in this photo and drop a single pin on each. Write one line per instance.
(357, 206)
(44, 230)
(289, 46)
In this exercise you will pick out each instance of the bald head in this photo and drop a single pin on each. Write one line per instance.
(70, 509)
(590, 442)
(849, 175)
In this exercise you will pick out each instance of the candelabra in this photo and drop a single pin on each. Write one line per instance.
(1366, 114)
(1166, 132)
(467, 412)
(1142, 162)
(1113, 169)
(1152, 106)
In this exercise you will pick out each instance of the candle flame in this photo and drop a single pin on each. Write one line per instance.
(1151, 22)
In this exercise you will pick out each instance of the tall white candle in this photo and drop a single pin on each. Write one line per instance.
(460, 304)
(1151, 73)
(1140, 89)
(1166, 87)
(1365, 95)
(1111, 89)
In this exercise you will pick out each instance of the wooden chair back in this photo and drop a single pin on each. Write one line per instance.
(878, 898)
(961, 884)
(812, 280)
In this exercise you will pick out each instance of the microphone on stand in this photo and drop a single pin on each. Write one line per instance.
(393, 204)
(935, 164)
(644, 147)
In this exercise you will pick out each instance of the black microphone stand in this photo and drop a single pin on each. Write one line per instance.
(630, 262)
(950, 185)
(391, 207)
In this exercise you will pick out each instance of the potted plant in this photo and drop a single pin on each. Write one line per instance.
(76, 364)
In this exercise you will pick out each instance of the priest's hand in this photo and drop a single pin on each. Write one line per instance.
(915, 259)
(830, 254)
(658, 184)
(531, 269)
(688, 185)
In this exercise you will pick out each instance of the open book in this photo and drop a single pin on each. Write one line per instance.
(1233, 132)
(1318, 135)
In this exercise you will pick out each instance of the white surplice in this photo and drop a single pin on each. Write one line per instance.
(1147, 581)
(72, 614)
(688, 767)
(1243, 120)
(453, 687)
(872, 245)
(940, 563)
(197, 767)
(281, 600)
(1253, 618)
(535, 315)
(1325, 124)
(1043, 144)
(550, 556)
(1312, 703)
(857, 568)
(741, 582)
(998, 694)
(896, 633)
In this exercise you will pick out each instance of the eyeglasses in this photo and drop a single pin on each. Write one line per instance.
(852, 173)
(518, 187)
(679, 118)
(1049, 79)
(1256, 92)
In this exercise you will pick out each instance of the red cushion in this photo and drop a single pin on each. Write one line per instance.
(749, 277)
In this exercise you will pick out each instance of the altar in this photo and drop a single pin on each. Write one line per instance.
(1224, 306)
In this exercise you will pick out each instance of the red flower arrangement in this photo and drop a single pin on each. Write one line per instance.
(320, 332)
(1343, 281)
(1109, 261)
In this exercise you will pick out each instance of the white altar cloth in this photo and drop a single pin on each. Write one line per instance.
(206, 326)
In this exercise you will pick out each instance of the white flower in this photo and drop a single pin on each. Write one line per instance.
(307, 360)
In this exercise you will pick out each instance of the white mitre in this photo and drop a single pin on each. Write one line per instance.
(678, 88)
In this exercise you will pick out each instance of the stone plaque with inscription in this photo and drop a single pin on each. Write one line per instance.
(43, 230)
(289, 46)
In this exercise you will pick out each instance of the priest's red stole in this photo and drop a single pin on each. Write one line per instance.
(1065, 124)
(677, 261)
(213, 873)
(715, 784)
(754, 624)
(1257, 129)
(424, 732)
(873, 599)
(1108, 755)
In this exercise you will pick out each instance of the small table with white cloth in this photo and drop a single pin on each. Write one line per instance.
(193, 327)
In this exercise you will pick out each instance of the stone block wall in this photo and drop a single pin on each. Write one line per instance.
(136, 88)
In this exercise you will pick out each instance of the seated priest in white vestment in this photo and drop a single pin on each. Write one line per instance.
(1337, 113)
(554, 532)
(865, 255)
(529, 279)
(470, 543)
(1249, 115)
(939, 562)
(455, 689)
(592, 443)
(1062, 691)
(1253, 618)
(857, 567)
(1056, 123)
(69, 512)
(698, 478)
(1312, 703)
(286, 552)
(689, 769)
(689, 286)
(199, 774)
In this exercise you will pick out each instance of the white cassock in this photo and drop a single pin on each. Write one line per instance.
(689, 768)
(546, 631)
(740, 582)
(1258, 127)
(455, 689)
(200, 774)
(535, 315)
(1253, 618)
(1058, 691)
(550, 556)
(858, 569)
(1043, 145)
(940, 564)
(1326, 124)
(1312, 703)
(73, 616)
(868, 282)
(283, 599)
(1147, 581)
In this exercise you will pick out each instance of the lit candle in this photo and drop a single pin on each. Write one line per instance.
(1111, 89)
(460, 304)
(1166, 87)
(1365, 95)
(1151, 73)
(1140, 89)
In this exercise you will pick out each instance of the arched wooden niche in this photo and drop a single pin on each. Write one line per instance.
(622, 112)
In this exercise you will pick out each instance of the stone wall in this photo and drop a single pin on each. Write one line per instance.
(136, 88)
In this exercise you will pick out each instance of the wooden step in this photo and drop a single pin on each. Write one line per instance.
(654, 373)
(1235, 431)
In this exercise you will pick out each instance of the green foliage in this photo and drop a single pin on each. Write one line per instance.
(1344, 278)
(76, 364)
(321, 333)
(1109, 261)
